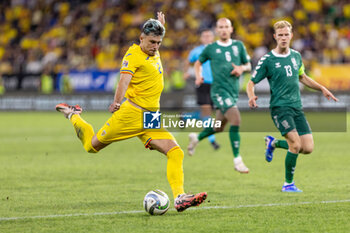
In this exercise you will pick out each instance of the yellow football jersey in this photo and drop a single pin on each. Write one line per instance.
(147, 83)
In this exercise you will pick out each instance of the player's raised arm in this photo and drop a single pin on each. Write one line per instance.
(307, 81)
(161, 17)
(251, 95)
(120, 92)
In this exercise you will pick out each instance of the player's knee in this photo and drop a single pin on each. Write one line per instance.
(237, 121)
(89, 147)
(295, 147)
(307, 149)
(307, 152)
(94, 145)
(307, 146)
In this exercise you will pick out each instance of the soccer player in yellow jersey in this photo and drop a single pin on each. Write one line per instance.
(141, 83)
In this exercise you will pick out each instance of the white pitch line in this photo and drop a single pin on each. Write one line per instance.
(192, 209)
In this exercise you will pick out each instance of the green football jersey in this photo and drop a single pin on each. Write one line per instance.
(221, 57)
(282, 73)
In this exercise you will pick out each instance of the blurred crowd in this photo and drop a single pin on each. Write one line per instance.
(38, 36)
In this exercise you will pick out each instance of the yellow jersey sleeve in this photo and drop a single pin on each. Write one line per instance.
(130, 63)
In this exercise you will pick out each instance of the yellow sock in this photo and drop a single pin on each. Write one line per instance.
(175, 172)
(84, 131)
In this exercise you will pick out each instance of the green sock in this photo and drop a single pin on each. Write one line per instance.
(281, 144)
(235, 139)
(290, 163)
(206, 133)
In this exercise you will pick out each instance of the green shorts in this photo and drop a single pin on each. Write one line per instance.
(223, 100)
(287, 119)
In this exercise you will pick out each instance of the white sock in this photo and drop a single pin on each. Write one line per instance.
(237, 159)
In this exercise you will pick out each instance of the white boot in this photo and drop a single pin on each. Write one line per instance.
(239, 165)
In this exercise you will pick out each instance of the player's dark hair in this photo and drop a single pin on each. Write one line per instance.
(154, 27)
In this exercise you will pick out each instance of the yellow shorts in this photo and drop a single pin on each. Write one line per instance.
(126, 123)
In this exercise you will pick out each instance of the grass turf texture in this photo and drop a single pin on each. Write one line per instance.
(45, 171)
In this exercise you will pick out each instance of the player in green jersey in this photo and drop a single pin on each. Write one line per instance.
(284, 69)
(228, 60)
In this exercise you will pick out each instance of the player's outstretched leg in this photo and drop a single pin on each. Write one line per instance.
(184, 201)
(270, 147)
(193, 142)
(84, 130)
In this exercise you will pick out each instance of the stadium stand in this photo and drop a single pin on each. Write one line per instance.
(94, 34)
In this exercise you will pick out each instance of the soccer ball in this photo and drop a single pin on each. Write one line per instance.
(156, 202)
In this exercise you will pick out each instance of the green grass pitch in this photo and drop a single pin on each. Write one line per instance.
(48, 183)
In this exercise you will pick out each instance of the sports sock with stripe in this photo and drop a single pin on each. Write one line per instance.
(235, 140)
(290, 164)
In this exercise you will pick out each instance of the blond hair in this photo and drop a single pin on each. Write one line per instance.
(282, 24)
